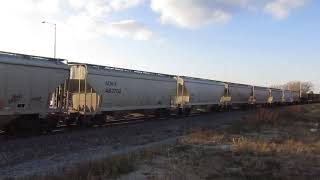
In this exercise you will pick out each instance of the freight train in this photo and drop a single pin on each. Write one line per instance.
(310, 98)
(38, 93)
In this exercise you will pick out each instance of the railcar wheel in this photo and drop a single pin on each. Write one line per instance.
(187, 111)
(99, 119)
(79, 121)
(162, 112)
(48, 125)
(215, 109)
(24, 126)
(228, 108)
(70, 121)
(11, 130)
(85, 121)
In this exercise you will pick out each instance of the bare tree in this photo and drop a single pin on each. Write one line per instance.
(306, 87)
(277, 86)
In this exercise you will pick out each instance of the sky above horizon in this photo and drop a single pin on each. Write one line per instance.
(260, 42)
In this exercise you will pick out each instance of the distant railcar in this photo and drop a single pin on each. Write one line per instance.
(277, 96)
(291, 96)
(313, 97)
(263, 95)
(287, 96)
(241, 94)
(296, 96)
(202, 92)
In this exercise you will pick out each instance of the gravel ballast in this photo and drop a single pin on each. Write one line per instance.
(38, 155)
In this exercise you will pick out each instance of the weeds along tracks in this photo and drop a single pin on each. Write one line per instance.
(122, 121)
(109, 123)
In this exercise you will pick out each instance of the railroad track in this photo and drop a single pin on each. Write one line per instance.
(115, 122)
(109, 123)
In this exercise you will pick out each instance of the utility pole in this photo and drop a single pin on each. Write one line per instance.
(300, 88)
(55, 38)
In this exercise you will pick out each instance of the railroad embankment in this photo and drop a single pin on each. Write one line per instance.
(273, 143)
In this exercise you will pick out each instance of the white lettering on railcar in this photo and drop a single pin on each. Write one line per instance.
(113, 91)
(111, 87)
(111, 83)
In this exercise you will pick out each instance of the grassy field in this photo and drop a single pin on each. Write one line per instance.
(270, 144)
(279, 143)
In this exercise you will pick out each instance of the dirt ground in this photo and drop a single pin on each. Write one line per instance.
(57, 153)
(270, 144)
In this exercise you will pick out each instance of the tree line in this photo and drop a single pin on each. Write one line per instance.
(305, 87)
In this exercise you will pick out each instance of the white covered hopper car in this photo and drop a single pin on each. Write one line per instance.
(241, 94)
(202, 92)
(291, 96)
(262, 95)
(96, 89)
(27, 86)
(277, 95)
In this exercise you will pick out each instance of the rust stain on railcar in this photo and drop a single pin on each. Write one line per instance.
(15, 98)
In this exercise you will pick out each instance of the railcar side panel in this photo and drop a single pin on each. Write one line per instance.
(240, 94)
(204, 92)
(277, 95)
(25, 86)
(123, 91)
(4, 114)
(25, 90)
(3, 99)
(296, 96)
(288, 96)
(291, 96)
(262, 95)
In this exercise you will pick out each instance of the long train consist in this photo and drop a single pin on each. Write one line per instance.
(37, 93)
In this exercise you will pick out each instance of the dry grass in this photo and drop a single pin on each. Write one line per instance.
(271, 144)
(203, 137)
(275, 118)
(107, 168)
(262, 147)
(102, 169)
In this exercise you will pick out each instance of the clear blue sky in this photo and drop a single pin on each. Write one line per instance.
(247, 41)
